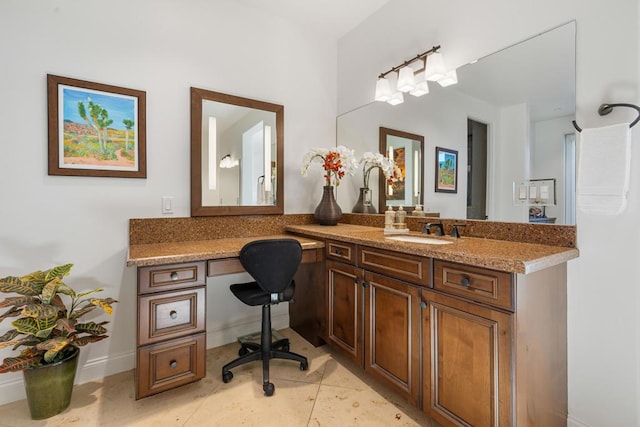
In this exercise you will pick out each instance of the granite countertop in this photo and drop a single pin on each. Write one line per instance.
(513, 257)
(173, 252)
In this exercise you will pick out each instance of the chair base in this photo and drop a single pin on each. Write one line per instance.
(265, 351)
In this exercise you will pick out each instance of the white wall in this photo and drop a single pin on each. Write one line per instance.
(603, 296)
(162, 47)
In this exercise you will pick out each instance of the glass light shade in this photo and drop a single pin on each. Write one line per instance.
(422, 88)
(396, 98)
(383, 90)
(227, 162)
(449, 79)
(434, 68)
(406, 80)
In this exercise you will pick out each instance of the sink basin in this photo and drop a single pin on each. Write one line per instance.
(419, 239)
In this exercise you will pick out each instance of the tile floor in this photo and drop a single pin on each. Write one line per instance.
(328, 394)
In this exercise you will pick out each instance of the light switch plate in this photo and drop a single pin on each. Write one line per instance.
(167, 204)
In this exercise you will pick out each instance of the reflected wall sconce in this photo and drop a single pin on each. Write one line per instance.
(413, 76)
(227, 162)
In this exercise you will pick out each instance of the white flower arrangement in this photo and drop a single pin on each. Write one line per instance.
(371, 161)
(336, 163)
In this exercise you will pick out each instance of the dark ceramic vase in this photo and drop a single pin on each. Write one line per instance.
(363, 205)
(328, 212)
(49, 387)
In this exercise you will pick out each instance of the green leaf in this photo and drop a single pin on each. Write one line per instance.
(66, 290)
(17, 301)
(9, 335)
(88, 339)
(81, 312)
(66, 325)
(41, 311)
(15, 364)
(38, 328)
(91, 328)
(84, 294)
(56, 344)
(59, 272)
(16, 285)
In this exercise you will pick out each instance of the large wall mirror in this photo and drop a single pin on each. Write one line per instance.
(237, 152)
(520, 101)
(406, 149)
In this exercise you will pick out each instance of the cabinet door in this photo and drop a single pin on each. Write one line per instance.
(344, 316)
(392, 336)
(467, 369)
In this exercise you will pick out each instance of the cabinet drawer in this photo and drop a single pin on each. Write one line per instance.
(410, 268)
(170, 315)
(169, 277)
(341, 251)
(478, 284)
(170, 364)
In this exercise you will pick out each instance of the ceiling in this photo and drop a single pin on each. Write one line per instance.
(334, 18)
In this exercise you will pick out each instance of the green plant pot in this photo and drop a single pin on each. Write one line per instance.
(49, 387)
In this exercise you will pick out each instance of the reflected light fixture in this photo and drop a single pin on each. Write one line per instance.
(227, 163)
(450, 78)
(415, 81)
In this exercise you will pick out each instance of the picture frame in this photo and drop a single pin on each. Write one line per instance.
(95, 129)
(446, 170)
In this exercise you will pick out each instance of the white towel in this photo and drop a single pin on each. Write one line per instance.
(603, 169)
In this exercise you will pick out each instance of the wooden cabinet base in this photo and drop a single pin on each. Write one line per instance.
(170, 364)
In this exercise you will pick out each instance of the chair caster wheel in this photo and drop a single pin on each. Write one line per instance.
(227, 376)
(242, 351)
(304, 366)
(268, 388)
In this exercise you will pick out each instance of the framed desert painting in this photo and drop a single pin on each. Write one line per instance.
(95, 129)
(446, 170)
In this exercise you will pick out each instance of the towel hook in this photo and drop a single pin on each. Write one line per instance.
(605, 109)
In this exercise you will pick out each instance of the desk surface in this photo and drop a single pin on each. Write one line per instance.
(202, 250)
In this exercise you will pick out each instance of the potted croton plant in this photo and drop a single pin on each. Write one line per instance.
(48, 331)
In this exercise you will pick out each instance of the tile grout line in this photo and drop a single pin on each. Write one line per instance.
(315, 400)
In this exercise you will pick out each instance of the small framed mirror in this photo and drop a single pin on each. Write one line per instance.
(237, 155)
(407, 150)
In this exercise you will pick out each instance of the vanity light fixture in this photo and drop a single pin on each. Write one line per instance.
(415, 81)
(227, 163)
(450, 78)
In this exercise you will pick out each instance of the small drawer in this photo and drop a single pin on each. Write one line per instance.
(170, 364)
(341, 251)
(170, 315)
(411, 268)
(169, 277)
(475, 283)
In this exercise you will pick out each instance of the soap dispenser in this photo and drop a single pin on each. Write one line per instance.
(417, 211)
(401, 216)
(389, 217)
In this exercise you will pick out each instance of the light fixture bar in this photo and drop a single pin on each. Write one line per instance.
(407, 62)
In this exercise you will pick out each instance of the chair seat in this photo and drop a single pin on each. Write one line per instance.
(252, 294)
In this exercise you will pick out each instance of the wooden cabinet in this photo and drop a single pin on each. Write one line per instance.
(171, 327)
(374, 319)
(494, 349)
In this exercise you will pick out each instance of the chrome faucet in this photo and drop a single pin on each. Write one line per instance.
(426, 228)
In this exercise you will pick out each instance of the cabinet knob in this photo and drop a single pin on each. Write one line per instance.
(173, 314)
(174, 276)
(423, 304)
(465, 282)
(173, 364)
(365, 284)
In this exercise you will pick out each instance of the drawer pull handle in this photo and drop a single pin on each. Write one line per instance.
(338, 251)
(173, 314)
(174, 276)
(173, 364)
(465, 282)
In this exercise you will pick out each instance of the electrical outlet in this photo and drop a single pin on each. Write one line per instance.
(167, 204)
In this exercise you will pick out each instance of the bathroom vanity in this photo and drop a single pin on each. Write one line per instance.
(473, 331)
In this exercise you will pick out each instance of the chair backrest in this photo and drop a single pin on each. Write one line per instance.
(272, 262)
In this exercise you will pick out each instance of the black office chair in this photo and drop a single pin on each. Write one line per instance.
(272, 263)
